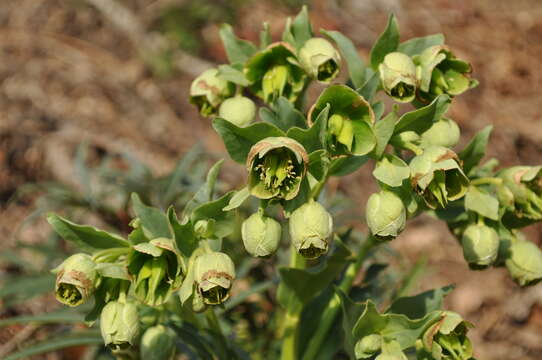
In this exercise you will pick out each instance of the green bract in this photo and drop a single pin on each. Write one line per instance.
(239, 110)
(444, 133)
(350, 119)
(437, 176)
(447, 338)
(398, 77)
(480, 245)
(119, 324)
(208, 90)
(310, 228)
(385, 215)
(274, 72)
(524, 262)
(75, 280)
(276, 168)
(214, 273)
(158, 343)
(320, 59)
(156, 270)
(261, 235)
(524, 183)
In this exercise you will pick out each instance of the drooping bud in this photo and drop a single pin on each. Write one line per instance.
(398, 77)
(310, 228)
(524, 262)
(480, 246)
(119, 324)
(447, 338)
(208, 90)
(75, 280)
(444, 132)
(437, 176)
(276, 168)
(158, 343)
(367, 346)
(385, 215)
(239, 110)
(320, 59)
(261, 235)
(214, 274)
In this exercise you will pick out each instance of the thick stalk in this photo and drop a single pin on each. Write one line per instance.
(333, 307)
(214, 325)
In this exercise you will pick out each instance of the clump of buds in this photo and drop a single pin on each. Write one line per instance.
(209, 90)
(75, 280)
(480, 246)
(214, 274)
(310, 228)
(261, 235)
(385, 215)
(320, 59)
(398, 77)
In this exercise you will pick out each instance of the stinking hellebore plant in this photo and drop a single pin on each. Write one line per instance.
(181, 285)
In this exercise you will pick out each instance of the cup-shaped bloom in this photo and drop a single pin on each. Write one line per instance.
(437, 176)
(119, 324)
(310, 228)
(524, 262)
(209, 90)
(158, 343)
(398, 77)
(214, 273)
(320, 59)
(367, 346)
(156, 271)
(75, 280)
(444, 132)
(440, 72)
(276, 168)
(386, 215)
(480, 246)
(239, 110)
(447, 338)
(350, 118)
(261, 235)
(274, 72)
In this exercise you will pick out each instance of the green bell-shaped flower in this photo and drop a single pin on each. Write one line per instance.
(386, 215)
(158, 343)
(261, 235)
(480, 246)
(310, 228)
(209, 90)
(239, 110)
(75, 280)
(398, 77)
(214, 273)
(447, 339)
(437, 176)
(524, 262)
(444, 132)
(276, 168)
(119, 324)
(320, 59)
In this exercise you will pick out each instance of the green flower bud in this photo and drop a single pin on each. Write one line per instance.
(310, 228)
(261, 235)
(273, 72)
(444, 133)
(524, 262)
(208, 90)
(119, 324)
(480, 246)
(398, 77)
(158, 343)
(156, 270)
(205, 228)
(447, 338)
(320, 59)
(437, 176)
(367, 346)
(75, 280)
(276, 168)
(385, 215)
(239, 110)
(214, 273)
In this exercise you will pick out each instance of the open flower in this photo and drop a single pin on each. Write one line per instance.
(208, 90)
(398, 77)
(75, 280)
(320, 59)
(214, 273)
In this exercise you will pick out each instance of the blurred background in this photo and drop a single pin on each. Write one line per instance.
(94, 104)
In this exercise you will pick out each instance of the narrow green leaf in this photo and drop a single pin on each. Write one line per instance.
(237, 50)
(475, 150)
(214, 210)
(383, 131)
(62, 317)
(299, 30)
(356, 67)
(205, 192)
(312, 138)
(153, 221)
(370, 87)
(386, 43)
(343, 166)
(318, 164)
(391, 170)
(26, 286)
(238, 199)
(418, 306)
(265, 36)
(421, 119)
(185, 239)
(417, 45)
(485, 204)
(230, 73)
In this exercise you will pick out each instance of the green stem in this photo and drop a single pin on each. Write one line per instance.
(333, 307)
(315, 193)
(487, 181)
(214, 325)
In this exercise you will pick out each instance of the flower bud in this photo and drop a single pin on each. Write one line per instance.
(444, 133)
(398, 76)
(75, 280)
(208, 90)
(367, 346)
(310, 228)
(158, 343)
(261, 235)
(385, 215)
(320, 59)
(480, 246)
(437, 176)
(524, 262)
(448, 336)
(239, 110)
(276, 168)
(214, 273)
(525, 185)
(119, 324)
